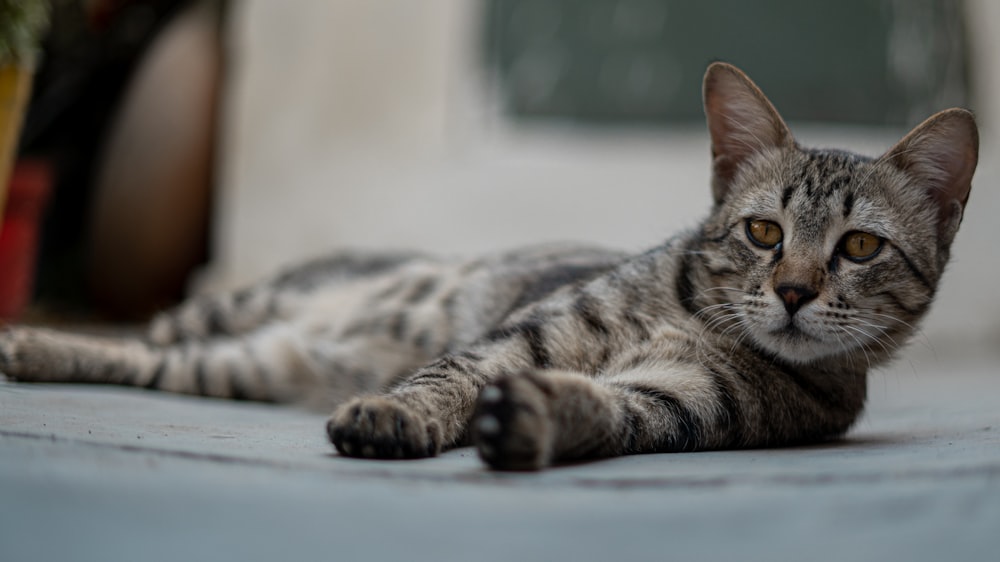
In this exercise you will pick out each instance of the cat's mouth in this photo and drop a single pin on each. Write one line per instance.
(794, 343)
(791, 332)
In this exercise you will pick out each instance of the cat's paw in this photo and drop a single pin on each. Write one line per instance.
(37, 354)
(382, 428)
(13, 358)
(512, 428)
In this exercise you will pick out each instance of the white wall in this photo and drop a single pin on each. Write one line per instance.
(358, 123)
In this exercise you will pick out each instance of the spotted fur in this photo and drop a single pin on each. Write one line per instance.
(714, 339)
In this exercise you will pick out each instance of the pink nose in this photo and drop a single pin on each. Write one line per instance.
(795, 296)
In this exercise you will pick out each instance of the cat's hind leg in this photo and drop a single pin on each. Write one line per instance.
(228, 314)
(276, 363)
(43, 355)
(270, 367)
(279, 298)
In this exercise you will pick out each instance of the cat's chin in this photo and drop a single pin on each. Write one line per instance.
(798, 347)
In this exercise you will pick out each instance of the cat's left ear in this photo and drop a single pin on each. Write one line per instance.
(941, 153)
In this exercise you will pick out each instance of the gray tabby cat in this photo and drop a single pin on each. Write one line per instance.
(755, 329)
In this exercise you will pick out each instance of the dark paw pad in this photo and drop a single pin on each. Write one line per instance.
(512, 429)
(381, 428)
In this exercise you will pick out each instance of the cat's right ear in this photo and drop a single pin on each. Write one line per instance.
(741, 122)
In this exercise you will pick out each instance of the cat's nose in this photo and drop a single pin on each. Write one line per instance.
(795, 296)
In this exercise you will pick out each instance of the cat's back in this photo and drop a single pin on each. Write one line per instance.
(359, 291)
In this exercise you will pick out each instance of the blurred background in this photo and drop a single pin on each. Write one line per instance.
(172, 147)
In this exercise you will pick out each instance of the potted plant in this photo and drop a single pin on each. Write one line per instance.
(22, 23)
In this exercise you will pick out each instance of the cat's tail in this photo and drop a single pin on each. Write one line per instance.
(270, 369)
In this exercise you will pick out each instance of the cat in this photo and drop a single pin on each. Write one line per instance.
(755, 329)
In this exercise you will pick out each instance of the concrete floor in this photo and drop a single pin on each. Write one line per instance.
(104, 474)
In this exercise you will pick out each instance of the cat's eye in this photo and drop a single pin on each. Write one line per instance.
(860, 246)
(765, 234)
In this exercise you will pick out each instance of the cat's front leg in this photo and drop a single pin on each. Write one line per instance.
(531, 419)
(421, 416)
(535, 418)
(384, 427)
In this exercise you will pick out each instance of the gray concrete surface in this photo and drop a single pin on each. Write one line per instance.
(96, 473)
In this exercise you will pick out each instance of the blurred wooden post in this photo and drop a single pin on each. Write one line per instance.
(152, 195)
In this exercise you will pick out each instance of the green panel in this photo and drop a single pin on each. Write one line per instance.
(864, 61)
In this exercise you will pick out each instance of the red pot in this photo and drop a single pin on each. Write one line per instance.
(28, 193)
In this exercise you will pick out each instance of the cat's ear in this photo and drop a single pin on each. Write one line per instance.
(941, 153)
(741, 122)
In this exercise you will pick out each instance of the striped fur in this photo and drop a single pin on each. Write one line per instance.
(712, 340)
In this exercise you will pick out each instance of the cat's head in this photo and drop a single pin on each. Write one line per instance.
(825, 253)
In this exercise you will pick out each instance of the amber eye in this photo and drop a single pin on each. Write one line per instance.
(765, 234)
(860, 246)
